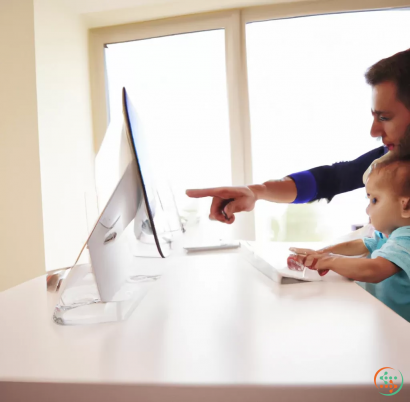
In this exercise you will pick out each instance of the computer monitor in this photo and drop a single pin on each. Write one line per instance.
(115, 274)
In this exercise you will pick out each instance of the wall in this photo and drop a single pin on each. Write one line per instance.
(113, 12)
(65, 131)
(99, 13)
(21, 225)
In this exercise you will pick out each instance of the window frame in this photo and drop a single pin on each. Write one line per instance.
(318, 7)
(234, 23)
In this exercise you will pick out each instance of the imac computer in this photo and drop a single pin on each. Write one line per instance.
(138, 221)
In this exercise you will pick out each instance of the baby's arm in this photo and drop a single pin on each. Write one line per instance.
(359, 269)
(354, 247)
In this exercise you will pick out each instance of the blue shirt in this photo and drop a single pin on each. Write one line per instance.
(328, 181)
(393, 291)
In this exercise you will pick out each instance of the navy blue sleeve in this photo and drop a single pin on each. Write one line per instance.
(306, 186)
(328, 181)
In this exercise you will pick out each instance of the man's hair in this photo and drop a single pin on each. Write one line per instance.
(396, 69)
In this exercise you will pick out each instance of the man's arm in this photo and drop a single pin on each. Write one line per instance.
(281, 191)
(341, 177)
(302, 187)
(317, 183)
(226, 201)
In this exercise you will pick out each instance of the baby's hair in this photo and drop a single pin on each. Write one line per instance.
(396, 172)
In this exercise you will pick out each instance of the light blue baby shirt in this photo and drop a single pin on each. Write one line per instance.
(393, 291)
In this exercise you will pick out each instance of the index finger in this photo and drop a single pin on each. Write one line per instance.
(221, 192)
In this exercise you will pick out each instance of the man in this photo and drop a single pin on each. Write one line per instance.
(390, 81)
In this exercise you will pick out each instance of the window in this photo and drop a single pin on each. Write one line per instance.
(310, 106)
(178, 85)
(217, 115)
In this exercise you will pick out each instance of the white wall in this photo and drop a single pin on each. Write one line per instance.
(65, 130)
(21, 224)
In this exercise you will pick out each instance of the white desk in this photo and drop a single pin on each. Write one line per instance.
(211, 329)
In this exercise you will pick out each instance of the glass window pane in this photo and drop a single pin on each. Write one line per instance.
(178, 87)
(310, 106)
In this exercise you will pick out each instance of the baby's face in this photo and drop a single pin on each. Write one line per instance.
(384, 207)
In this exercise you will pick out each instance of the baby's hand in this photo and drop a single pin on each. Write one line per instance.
(310, 259)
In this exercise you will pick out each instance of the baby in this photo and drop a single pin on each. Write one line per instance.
(385, 272)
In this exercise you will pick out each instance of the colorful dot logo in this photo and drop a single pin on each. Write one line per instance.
(388, 381)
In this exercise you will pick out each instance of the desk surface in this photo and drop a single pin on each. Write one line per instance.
(211, 320)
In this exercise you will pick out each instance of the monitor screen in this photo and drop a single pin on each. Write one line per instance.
(157, 217)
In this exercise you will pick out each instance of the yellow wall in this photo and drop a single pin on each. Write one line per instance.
(46, 207)
(65, 131)
(21, 225)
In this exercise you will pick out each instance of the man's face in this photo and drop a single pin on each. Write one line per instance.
(390, 116)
